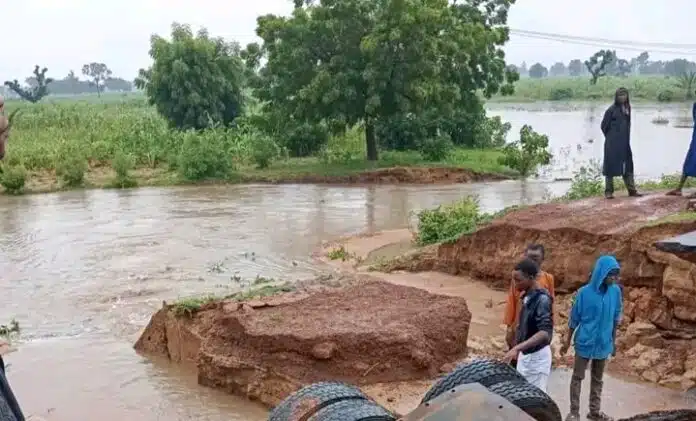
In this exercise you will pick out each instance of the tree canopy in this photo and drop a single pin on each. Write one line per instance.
(195, 80)
(351, 62)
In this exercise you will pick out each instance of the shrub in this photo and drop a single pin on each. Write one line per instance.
(203, 155)
(587, 182)
(122, 164)
(665, 96)
(525, 155)
(494, 132)
(448, 222)
(71, 166)
(263, 150)
(13, 179)
(436, 148)
(561, 94)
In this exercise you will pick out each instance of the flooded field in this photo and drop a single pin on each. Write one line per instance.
(84, 270)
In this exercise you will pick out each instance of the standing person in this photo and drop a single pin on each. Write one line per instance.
(689, 168)
(4, 127)
(533, 340)
(594, 318)
(618, 157)
(537, 253)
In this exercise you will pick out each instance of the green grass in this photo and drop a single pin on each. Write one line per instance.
(641, 88)
(681, 217)
(67, 132)
(262, 288)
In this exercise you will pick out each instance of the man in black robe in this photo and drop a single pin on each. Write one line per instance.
(618, 158)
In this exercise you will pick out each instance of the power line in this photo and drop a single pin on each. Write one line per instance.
(606, 44)
(604, 40)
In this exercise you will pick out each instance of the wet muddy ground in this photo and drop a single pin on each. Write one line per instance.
(84, 271)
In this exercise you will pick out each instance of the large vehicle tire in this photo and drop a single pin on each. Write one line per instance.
(675, 415)
(528, 398)
(353, 410)
(304, 403)
(485, 372)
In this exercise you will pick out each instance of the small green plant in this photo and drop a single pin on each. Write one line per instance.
(436, 148)
(561, 94)
(122, 164)
(665, 96)
(587, 182)
(449, 222)
(9, 330)
(528, 153)
(71, 166)
(187, 307)
(339, 253)
(13, 179)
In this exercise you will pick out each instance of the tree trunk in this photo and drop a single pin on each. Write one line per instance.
(371, 140)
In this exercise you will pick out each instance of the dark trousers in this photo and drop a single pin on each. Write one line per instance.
(596, 383)
(628, 180)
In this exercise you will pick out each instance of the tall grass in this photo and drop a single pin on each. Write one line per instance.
(43, 134)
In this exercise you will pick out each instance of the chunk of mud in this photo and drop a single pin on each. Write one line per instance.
(371, 332)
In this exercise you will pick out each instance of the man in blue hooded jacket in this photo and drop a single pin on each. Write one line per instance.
(595, 315)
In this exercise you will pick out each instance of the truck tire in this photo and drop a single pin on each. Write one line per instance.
(353, 410)
(307, 401)
(485, 372)
(528, 398)
(675, 415)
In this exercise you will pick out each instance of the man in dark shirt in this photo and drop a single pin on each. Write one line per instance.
(535, 329)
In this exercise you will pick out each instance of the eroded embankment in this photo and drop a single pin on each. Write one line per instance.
(394, 175)
(659, 325)
(365, 333)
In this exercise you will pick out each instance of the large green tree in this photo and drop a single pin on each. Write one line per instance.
(195, 80)
(344, 62)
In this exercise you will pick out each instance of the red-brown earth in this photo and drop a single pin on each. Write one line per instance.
(659, 327)
(363, 331)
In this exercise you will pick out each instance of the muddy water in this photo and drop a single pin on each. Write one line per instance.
(83, 271)
(575, 136)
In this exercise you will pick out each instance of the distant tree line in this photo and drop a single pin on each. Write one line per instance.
(611, 65)
(98, 78)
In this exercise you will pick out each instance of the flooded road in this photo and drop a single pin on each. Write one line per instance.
(83, 271)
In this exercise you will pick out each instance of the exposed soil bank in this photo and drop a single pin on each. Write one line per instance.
(101, 176)
(660, 289)
(366, 332)
(395, 175)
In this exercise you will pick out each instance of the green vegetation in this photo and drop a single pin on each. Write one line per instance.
(685, 216)
(588, 181)
(339, 253)
(9, 330)
(653, 88)
(448, 222)
(261, 288)
(528, 153)
(330, 91)
(121, 143)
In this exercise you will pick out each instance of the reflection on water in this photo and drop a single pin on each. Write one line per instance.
(83, 271)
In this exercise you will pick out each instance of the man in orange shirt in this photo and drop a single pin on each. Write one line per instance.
(545, 280)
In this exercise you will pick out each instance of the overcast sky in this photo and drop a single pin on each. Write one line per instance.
(64, 34)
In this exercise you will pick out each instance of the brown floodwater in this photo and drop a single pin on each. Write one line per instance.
(84, 270)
